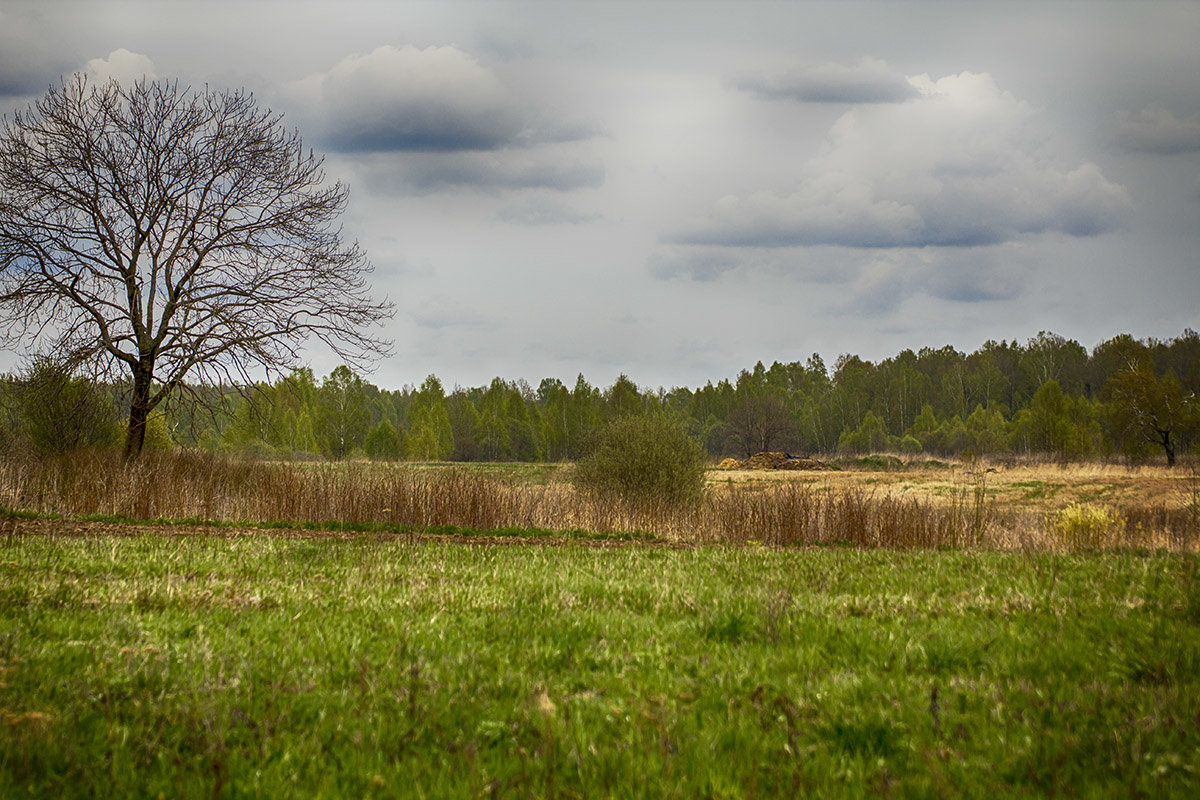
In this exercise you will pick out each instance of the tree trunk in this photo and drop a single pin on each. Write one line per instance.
(1168, 445)
(139, 410)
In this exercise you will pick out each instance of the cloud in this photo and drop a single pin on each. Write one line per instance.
(506, 170)
(410, 99)
(435, 99)
(1156, 129)
(29, 60)
(443, 312)
(962, 165)
(697, 263)
(858, 281)
(122, 65)
(868, 81)
(543, 211)
(434, 119)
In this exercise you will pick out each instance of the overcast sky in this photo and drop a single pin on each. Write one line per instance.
(676, 190)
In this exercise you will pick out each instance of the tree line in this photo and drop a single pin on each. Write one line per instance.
(1049, 396)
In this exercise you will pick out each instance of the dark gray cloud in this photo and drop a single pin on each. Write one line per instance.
(30, 59)
(1156, 129)
(438, 313)
(989, 274)
(504, 170)
(869, 283)
(449, 121)
(868, 81)
(433, 99)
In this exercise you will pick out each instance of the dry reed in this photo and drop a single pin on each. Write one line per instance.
(202, 487)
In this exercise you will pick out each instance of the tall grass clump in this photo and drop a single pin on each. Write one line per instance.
(204, 487)
(643, 459)
(790, 514)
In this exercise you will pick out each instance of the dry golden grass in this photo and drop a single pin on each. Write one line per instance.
(1152, 506)
(1036, 487)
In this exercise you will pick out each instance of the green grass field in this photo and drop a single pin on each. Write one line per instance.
(275, 666)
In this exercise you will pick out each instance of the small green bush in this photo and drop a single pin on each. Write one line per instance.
(876, 462)
(643, 458)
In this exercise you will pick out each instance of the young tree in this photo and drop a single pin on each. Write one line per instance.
(167, 233)
(554, 399)
(869, 437)
(493, 429)
(385, 442)
(345, 417)
(1058, 424)
(430, 437)
(464, 423)
(622, 398)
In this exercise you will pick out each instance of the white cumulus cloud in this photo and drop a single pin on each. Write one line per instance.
(122, 65)
(962, 164)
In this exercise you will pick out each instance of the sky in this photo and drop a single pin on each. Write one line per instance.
(676, 190)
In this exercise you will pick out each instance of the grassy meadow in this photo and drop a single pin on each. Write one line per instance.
(151, 665)
(189, 626)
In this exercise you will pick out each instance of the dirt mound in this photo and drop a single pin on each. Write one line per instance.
(772, 460)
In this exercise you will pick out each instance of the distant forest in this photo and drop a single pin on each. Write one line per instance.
(1127, 399)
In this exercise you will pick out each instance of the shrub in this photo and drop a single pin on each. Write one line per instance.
(643, 458)
(1084, 526)
(58, 411)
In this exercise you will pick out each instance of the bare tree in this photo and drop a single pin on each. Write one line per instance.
(757, 424)
(167, 233)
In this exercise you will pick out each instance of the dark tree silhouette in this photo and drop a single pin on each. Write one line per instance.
(1143, 406)
(759, 424)
(162, 232)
